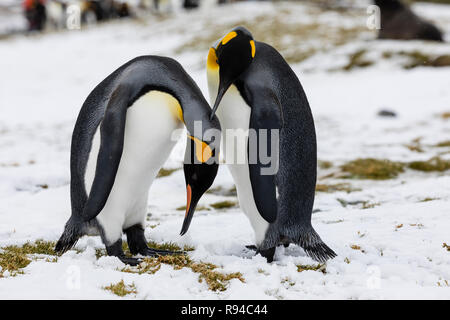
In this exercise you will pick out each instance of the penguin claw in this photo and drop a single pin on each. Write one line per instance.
(149, 252)
(252, 247)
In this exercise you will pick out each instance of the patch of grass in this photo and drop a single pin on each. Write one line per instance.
(443, 144)
(365, 204)
(415, 145)
(446, 246)
(445, 115)
(306, 267)
(428, 199)
(224, 204)
(220, 191)
(329, 188)
(357, 61)
(278, 30)
(369, 205)
(375, 169)
(417, 59)
(434, 164)
(323, 164)
(121, 289)
(166, 172)
(15, 258)
(215, 280)
(199, 208)
(355, 247)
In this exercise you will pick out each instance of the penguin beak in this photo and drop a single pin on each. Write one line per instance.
(192, 200)
(223, 87)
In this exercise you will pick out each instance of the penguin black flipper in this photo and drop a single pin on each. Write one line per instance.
(112, 132)
(265, 116)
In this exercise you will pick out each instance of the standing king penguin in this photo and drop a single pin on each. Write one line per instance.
(122, 137)
(256, 89)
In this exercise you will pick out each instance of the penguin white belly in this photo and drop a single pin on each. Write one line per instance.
(234, 114)
(150, 123)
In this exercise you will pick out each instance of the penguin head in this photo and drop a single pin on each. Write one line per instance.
(200, 169)
(231, 56)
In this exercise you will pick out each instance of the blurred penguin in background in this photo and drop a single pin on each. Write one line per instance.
(35, 14)
(399, 22)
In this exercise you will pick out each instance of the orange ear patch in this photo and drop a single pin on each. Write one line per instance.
(252, 44)
(211, 63)
(203, 152)
(228, 37)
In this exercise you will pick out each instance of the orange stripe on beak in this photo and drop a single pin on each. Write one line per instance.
(189, 197)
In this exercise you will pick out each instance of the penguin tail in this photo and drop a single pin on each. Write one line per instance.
(72, 232)
(314, 246)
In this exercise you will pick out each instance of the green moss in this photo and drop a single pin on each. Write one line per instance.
(434, 164)
(224, 204)
(375, 169)
(166, 172)
(329, 188)
(121, 289)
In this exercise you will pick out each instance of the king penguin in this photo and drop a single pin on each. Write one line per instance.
(123, 135)
(256, 89)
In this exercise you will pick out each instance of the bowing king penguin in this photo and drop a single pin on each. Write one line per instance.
(253, 88)
(122, 137)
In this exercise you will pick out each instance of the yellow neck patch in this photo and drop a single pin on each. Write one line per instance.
(174, 107)
(252, 44)
(228, 37)
(212, 59)
(203, 152)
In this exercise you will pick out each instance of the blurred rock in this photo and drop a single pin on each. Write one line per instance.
(399, 22)
(387, 113)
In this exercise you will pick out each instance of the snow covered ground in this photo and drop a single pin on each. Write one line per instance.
(391, 248)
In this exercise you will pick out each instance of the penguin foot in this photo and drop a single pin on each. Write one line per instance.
(268, 254)
(130, 261)
(138, 244)
(115, 250)
(252, 247)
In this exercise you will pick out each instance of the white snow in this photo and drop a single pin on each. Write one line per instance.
(45, 79)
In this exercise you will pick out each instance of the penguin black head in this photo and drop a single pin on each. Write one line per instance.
(231, 55)
(200, 170)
